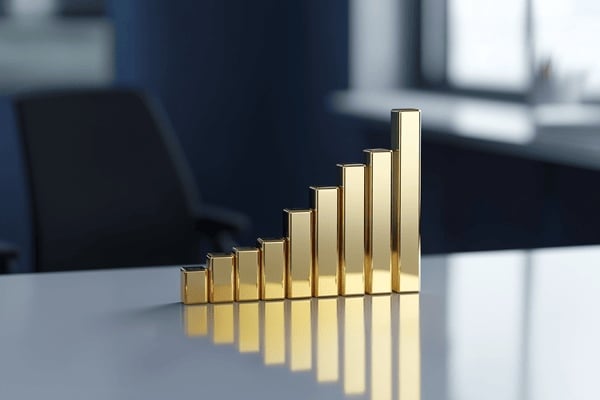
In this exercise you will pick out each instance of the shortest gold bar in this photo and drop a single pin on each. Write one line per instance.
(194, 285)
(272, 268)
(247, 273)
(221, 277)
(299, 236)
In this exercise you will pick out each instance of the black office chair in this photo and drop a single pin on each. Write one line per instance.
(110, 186)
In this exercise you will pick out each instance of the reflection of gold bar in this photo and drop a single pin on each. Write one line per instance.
(194, 285)
(247, 273)
(274, 339)
(220, 267)
(406, 142)
(300, 335)
(298, 228)
(248, 327)
(354, 345)
(222, 323)
(409, 364)
(352, 232)
(327, 340)
(196, 320)
(325, 230)
(379, 218)
(381, 348)
(272, 268)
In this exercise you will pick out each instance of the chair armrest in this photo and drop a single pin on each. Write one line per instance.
(8, 253)
(214, 220)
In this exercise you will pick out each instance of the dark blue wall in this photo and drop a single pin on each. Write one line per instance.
(244, 84)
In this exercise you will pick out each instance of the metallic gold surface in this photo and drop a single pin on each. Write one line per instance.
(248, 318)
(409, 357)
(352, 229)
(354, 345)
(221, 273)
(406, 143)
(247, 273)
(325, 201)
(194, 285)
(300, 335)
(299, 238)
(274, 332)
(381, 348)
(223, 323)
(378, 273)
(327, 340)
(272, 268)
(195, 319)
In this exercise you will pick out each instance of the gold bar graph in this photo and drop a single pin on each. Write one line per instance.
(299, 239)
(362, 236)
(379, 221)
(272, 268)
(221, 273)
(194, 285)
(325, 205)
(247, 273)
(406, 144)
(352, 229)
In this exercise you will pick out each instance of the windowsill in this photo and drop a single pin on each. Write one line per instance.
(566, 134)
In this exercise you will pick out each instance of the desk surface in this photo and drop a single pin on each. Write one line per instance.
(494, 325)
(566, 134)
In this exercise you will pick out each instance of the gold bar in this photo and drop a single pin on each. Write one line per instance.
(272, 268)
(406, 143)
(274, 332)
(354, 345)
(381, 348)
(300, 335)
(352, 232)
(299, 235)
(325, 201)
(409, 355)
(194, 285)
(221, 273)
(248, 327)
(327, 340)
(195, 319)
(223, 323)
(378, 271)
(247, 273)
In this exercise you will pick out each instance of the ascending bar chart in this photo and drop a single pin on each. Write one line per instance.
(369, 346)
(360, 237)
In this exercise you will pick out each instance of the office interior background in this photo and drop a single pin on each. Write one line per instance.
(264, 98)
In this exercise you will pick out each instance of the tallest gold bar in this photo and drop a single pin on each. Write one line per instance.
(406, 143)
(378, 272)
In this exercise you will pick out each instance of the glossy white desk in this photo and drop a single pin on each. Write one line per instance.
(497, 325)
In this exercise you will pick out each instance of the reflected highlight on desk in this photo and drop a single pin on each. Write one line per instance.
(369, 346)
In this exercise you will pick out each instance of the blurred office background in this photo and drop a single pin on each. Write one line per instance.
(266, 97)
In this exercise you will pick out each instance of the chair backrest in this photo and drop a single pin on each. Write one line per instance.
(109, 185)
